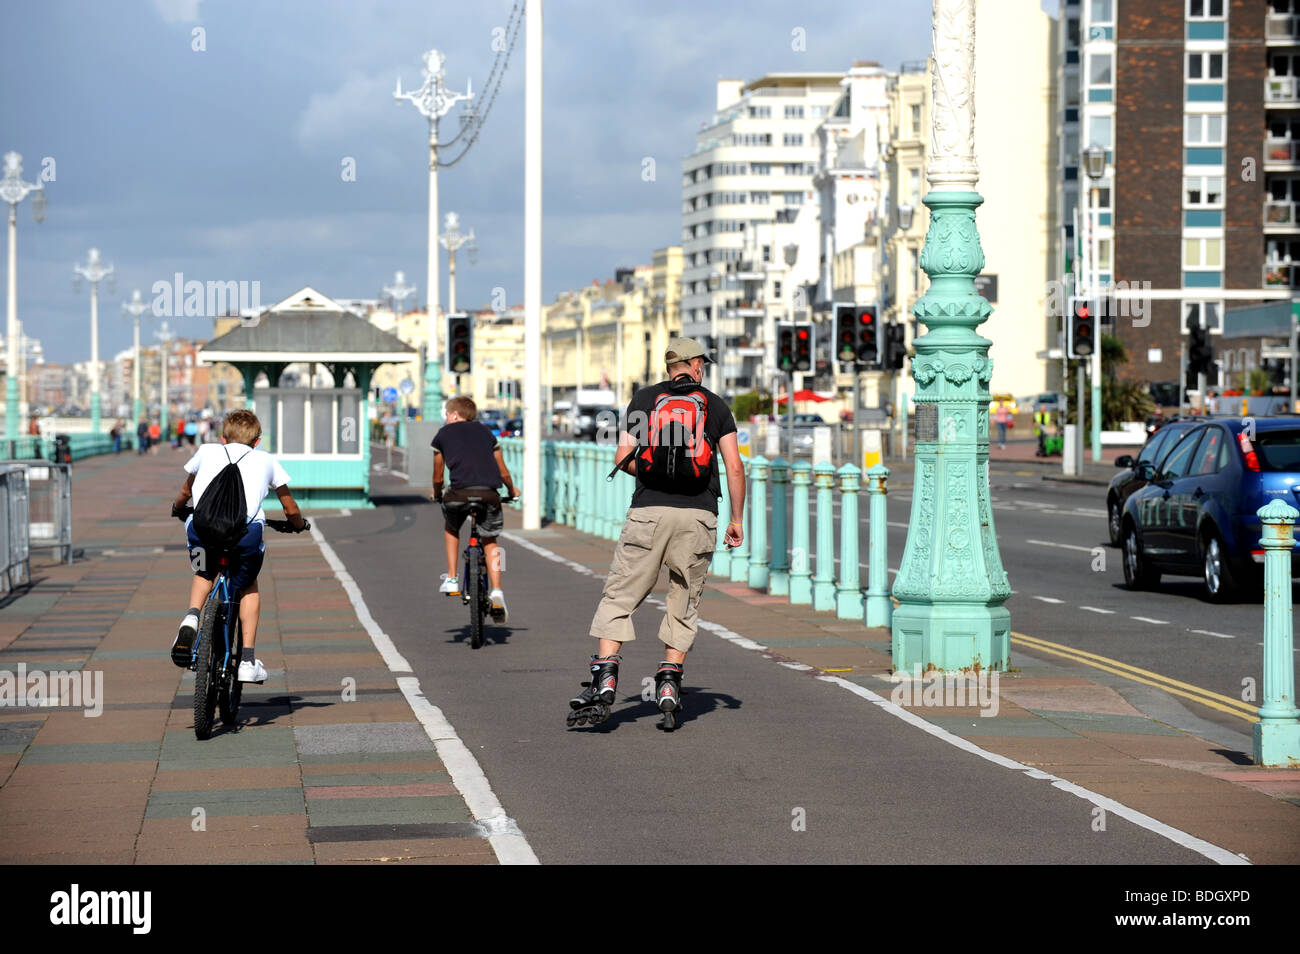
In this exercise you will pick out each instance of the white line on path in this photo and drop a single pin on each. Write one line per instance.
(503, 833)
(1097, 609)
(1190, 842)
(1049, 599)
(1206, 632)
(1148, 619)
(1059, 546)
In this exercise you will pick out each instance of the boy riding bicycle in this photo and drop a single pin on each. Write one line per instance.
(259, 473)
(477, 470)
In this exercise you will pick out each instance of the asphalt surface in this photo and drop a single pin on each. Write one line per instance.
(761, 746)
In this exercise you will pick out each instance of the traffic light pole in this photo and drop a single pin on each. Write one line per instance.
(789, 414)
(857, 423)
(1078, 431)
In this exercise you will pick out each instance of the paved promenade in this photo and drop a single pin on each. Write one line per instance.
(336, 760)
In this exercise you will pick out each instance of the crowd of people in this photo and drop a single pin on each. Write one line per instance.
(190, 429)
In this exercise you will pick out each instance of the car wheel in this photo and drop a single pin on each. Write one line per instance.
(1220, 584)
(1113, 522)
(1138, 573)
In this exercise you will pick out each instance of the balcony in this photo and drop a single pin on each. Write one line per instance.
(1282, 29)
(745, 307)
(1281, 153)
(1281, 90)
(1280, 214)
(1281, 275)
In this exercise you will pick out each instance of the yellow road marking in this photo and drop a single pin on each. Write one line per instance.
(1205, 697)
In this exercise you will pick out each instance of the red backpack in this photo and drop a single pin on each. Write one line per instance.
(677, 457)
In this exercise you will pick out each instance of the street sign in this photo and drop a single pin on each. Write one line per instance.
(743, 441)
(390, 395)
(407, 386)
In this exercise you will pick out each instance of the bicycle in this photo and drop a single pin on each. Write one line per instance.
(215, 656)
(474, 591)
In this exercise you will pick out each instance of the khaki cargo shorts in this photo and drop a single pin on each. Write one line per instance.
(653, 538)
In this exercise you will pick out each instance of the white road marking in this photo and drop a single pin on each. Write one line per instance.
(1206, 632)
(1148, 619)
(1097, 609)
(503, 833)
(1060, 546)
(1049, 599)
(1191, 842)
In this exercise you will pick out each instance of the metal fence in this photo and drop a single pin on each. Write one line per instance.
(15, 548)
(48, 506)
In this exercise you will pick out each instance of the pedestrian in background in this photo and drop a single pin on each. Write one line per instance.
(116, 433)
(1003, 419)
(155, 437)
(142, 436)
(674, 433)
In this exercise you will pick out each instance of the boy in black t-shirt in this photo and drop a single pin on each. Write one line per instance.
(477, 470)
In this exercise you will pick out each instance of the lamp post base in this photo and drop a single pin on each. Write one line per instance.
(433, 398)
(1277, 744)
(952, 637)
(11, 407)
(94, 414)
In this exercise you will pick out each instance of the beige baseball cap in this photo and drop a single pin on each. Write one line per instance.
(684, 349)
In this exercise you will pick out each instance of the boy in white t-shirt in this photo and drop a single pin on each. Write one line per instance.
(261, 473)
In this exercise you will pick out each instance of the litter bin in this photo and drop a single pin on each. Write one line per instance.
(62, 449)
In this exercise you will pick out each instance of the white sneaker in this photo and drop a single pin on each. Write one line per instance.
(499, 612)
(450, 585)
(252, 671)
(183, 644)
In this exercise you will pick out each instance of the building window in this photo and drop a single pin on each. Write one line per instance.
(1100, 132)
(1099, 69)
(1203, 192)
(793, 139)
(914, 178)
(794, 198)
(776, 290)
(818, 112)
(1202, 253)
(760, 198)
(1204, 66)
(916, 120)
(1102, 12)
(1104, 255)
(760, 112)
(1208, 314)
(1203, 129)
(760, 168)
(794, 112)
(1205, 9)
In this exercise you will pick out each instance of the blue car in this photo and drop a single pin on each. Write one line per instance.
(1196, 514)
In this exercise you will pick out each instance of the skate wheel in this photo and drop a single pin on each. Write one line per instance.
(670, 720)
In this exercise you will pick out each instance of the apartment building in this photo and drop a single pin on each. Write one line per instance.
(747, 189)
(1185, 96)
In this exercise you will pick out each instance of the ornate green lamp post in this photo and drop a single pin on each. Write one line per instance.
(950, 584)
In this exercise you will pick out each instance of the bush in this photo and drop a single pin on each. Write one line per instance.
(745, 406)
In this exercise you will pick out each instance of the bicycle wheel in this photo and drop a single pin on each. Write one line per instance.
(231, 689)
(475, 603)
(205, 674)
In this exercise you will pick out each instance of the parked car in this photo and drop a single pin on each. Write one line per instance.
(1049, 401)
(512, 427)
(1137, 472)
(1196, 516)
(492, 419)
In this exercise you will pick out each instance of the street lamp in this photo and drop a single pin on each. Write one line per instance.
(94, 271)
(13, 190)
(452, 240)
(135, 308)
(399, 291)
(905, 212)
(433, 101)
(791, 254)
(164, 336)
(1094, 164)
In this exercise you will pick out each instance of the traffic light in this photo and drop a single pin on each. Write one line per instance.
(867, 340)
(1200, 356)
(803, 346)
(895, 347)
(460, 343)
(846, 351)
(785, 346)
(1082, 334)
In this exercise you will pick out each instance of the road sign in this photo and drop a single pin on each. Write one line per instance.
(407, 386)
(743, 441)
(390, 395)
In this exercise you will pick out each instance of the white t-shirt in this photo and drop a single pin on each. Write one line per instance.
(261, 473)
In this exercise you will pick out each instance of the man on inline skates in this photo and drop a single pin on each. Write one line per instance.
(670, 441)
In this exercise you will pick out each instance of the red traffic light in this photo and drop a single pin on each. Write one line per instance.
(803, 334)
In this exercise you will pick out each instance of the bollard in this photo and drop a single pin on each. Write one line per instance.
(758, 572)
(778, 583)
(800, 576)
(740, 555)
(879, 609)
(824, 575)
(1277, 733)
(848, 594)
(721, 565)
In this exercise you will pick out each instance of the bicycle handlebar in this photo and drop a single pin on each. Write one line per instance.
(280, 526)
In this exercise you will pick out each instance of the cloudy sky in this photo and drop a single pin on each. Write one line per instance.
(225, 163)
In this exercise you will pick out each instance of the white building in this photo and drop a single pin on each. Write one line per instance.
(747, 194)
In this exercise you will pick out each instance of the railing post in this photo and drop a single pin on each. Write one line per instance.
(1277, 733)
(551, 480)
(601, 528)
(740, 555)
(585, 465)
(778, 583)
(848, 594)
(721, 565)
(758, 523)
(571, 504)
(879, 608)
(800, 575)
(824, 575)
(607, 460)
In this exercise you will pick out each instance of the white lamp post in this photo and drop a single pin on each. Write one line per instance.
(1094, 164)
(94, 271)
(399, 291)
(165, 336)
(452, 240)
(13, 190)
(433, 101)
(135, 308)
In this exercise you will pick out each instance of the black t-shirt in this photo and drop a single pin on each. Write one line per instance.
(467, 448)
(718, 423)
